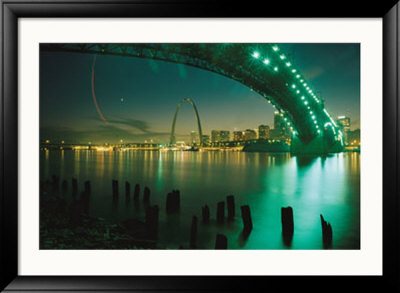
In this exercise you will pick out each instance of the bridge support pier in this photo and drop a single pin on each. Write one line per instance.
(318, 146)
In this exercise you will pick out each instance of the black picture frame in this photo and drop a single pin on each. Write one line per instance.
(14, 9)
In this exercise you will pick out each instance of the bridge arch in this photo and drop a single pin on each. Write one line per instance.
(190, 101)
(264, 68)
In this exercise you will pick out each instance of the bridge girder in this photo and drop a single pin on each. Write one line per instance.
(264, 68)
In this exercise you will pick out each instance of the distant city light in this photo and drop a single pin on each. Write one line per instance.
(275, 48)
(283, 57)
(266, 61)
(256, 54)
(276, 68)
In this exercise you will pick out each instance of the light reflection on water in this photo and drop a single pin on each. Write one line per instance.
(328, 185)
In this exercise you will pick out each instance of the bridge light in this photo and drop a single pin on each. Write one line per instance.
(283, 57)
(256, 54)
(302, 97)
(308, 108)
(319, 131)
(294, 70)
(305, 103)
(298, 75)
(311, 112)
(313, 117)
(275, 68)
(288, 64)
(298, 92)
(305, 85)
(275, 48)
(301, 80)
(316, 126)
(266, 61)
(315, 122)
(293, 86)
(308, 88)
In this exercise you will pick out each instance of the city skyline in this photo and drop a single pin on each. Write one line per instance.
(139, 97)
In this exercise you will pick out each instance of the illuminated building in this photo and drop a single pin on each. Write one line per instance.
(280, 131)
(219, 135)
(263, 132)
(250, 134)
(238, 135)
(205, 139)
(354, 137)
(344, 124)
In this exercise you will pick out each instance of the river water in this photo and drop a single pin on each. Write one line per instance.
(264, 181)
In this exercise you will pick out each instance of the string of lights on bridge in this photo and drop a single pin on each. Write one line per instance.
(301, 89)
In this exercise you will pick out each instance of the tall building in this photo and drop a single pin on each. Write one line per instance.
(354, 137)
(194, 139)
(263, 132)
(250, 134)
(281, 130)
(205, 140)
(219, 135)
(238, 135)
(344, 124)
(225, 135)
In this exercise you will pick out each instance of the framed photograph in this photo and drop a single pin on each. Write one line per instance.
(176, 146)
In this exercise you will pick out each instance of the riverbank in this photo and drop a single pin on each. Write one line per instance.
(65, 224)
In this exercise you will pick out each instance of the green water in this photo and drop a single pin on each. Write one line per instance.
(266, 182)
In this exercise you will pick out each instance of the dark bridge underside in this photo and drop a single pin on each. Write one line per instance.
(264, 68)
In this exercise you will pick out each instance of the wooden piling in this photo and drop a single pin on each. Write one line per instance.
(136, 193)
(87, 189)
(64, 187)
(287, 224)
(287, 220)
(74, 187)
(173, 202)
(193, 234)
(115, 191)
(230, 199)
(246, 217)
(221, 212)
(221, 242)
(327, 234)
(127, 191)
(205, 211)
(146, 195)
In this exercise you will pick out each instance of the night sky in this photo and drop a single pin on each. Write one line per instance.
(139, 96)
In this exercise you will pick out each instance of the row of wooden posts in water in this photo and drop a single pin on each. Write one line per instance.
(173, 206)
